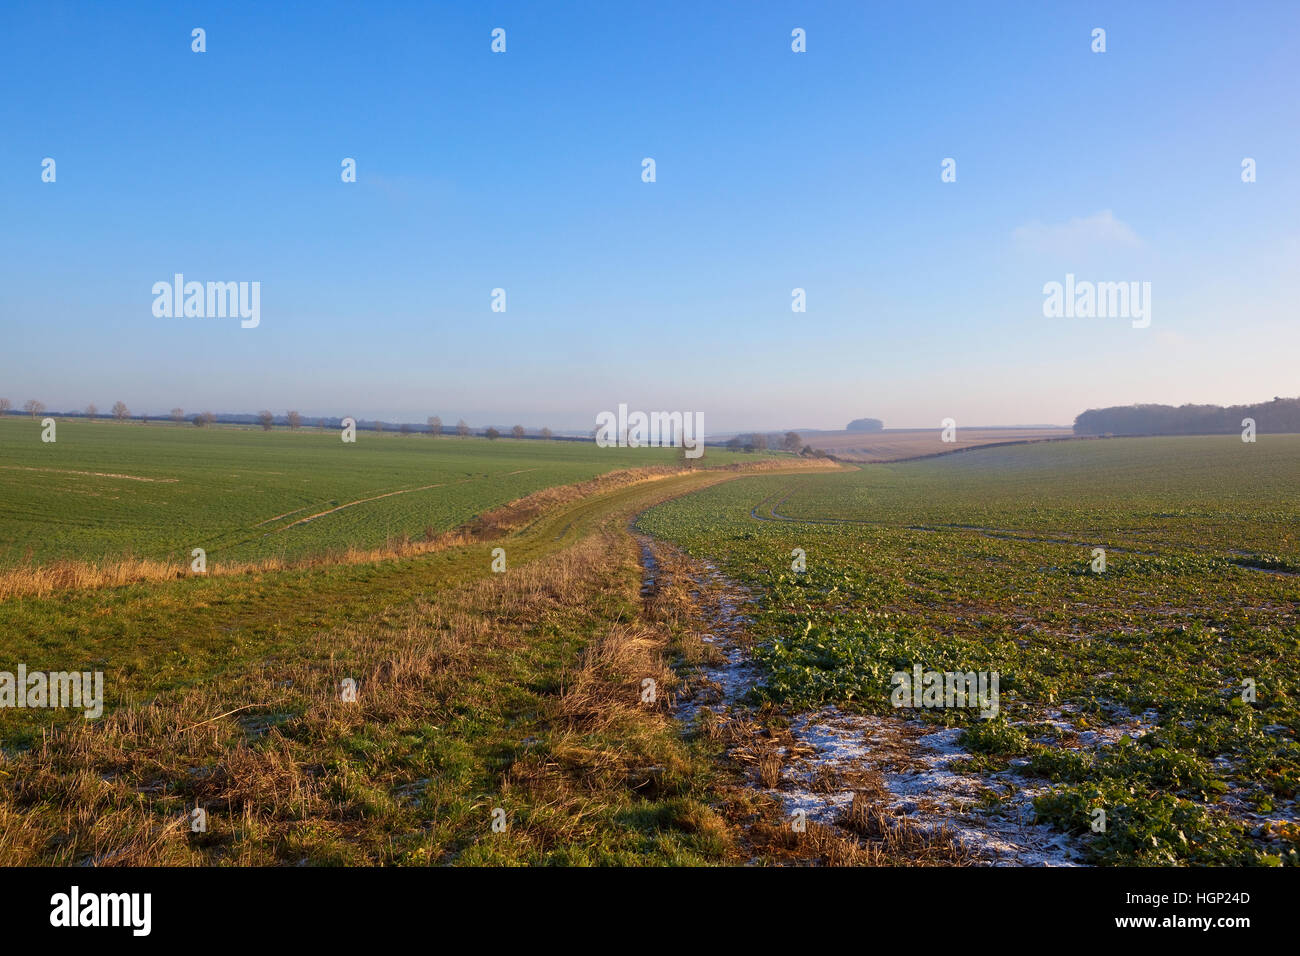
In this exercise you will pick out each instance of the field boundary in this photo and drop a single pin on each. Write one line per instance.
(956, 451)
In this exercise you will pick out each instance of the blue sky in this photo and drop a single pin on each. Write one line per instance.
(775, 170)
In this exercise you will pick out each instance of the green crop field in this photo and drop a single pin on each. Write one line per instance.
(981, 561)
(104, 490)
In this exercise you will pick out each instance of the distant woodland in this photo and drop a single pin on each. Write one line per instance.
(1279, 415)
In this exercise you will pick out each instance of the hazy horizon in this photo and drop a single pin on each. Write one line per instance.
(103, 410)
(310, 419)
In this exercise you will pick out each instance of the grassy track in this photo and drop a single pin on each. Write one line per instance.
(165, 635)
(477, 691)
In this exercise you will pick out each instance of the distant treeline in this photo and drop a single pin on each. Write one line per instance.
(1279, 415)
(267, 420)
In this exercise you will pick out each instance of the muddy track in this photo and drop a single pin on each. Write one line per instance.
(831, 769)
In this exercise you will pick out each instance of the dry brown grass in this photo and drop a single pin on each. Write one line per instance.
(770, 764)
(116, 791)
(902, 837)
(756, 748)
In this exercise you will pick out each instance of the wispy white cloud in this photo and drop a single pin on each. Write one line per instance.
(1078, 235)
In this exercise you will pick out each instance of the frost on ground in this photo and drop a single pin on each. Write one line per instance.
(907, 766)
(991, 815)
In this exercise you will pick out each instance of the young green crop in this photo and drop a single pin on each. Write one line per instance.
(105, 490)
(982, 561)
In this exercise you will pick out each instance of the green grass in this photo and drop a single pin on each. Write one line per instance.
(159, 636)
(242, 494)
(980, 561)
(470, 700)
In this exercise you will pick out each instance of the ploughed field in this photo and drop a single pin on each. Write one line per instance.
(896, 444)
(108, 490)
(1162, 690)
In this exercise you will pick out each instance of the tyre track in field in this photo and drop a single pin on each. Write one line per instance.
(347, 504)
(387, 494)
(360, 501)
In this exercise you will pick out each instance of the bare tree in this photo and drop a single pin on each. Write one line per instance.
(791, 442)
(462, 429)
(91, 410)
(517, 431)
(379, 426)
(120, 411)
(203, 419)
(178, 415)
(492, 434)
(265, 419)
(405, 428)
(33, 408)
(295, 420)
(435, 426)
(5, 405)
(546, 434)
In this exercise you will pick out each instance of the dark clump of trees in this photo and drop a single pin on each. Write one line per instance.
(865, 425)
(749, 443)
(757, 441)
(1279, 415)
